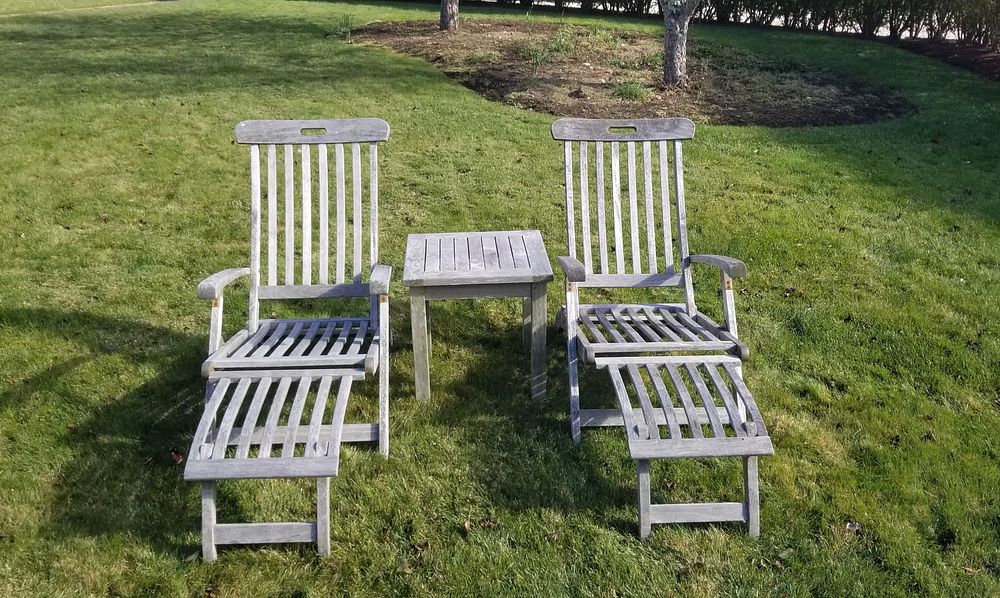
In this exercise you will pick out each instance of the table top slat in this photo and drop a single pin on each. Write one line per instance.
(476, 258)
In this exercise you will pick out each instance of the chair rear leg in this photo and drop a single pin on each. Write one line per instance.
(383, 377)
(323, 516)
(208, 553)
(645, 518)
(752, 486)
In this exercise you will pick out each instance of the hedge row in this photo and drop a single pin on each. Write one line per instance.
(976, 21)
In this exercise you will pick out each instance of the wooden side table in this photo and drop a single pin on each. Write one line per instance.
(476, 266)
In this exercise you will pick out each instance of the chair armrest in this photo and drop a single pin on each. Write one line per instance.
(212, 287)
(379, 281)
(731, 266)
(572, 269)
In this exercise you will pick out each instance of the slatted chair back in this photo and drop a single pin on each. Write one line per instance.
(313, 207)
(625, 215)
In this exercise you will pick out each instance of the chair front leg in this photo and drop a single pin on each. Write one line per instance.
(215, 325)
(572, 313)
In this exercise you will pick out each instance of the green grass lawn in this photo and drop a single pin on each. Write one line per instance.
(871, 311)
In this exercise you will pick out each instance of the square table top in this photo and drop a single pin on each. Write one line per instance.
(505, 257)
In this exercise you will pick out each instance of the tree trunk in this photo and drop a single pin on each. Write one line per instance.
(449, 15)
(676, 17)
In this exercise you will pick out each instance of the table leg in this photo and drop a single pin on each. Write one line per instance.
(539, 315)
(526, 321)
(421, 343)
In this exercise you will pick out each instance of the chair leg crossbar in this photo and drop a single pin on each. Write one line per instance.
(214, 534)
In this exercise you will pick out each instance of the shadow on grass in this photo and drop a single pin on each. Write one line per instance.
(163, 55)
(526, 460)
(121, 477)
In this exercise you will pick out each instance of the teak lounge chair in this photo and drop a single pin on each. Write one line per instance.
(676, 373)
(269, 412)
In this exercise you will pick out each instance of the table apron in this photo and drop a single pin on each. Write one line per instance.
(478, 291)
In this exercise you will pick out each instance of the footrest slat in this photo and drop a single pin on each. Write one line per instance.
(712, 512)
(264, 533)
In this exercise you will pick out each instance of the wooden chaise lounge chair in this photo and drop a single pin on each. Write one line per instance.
(676, 373)
(277, 390)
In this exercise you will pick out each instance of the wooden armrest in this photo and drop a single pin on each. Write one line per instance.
(572, 268)
(379, 281)
(212, 287)
(731, 266)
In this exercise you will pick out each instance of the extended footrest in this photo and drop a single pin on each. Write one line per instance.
(687, 406)
(265, 425)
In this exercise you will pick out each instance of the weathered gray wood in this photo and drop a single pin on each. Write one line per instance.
(306, 216)
(498, 264)
(341, 212)
(616, 210)
(645, 511)
(245, 434)
(707, 401)
(668, 240)
(265, 533)
(357, 216)
(272, 214)
(324, 215)
(588, 259)
(314, 291)
(373, 202)
(751, 486)
(383, 381)
(647, 188)
(636, 129)
(731, 266)
(295, 417)
(357, 372)
(633, 210)
(705, 447)
(570, 219)
(653, 343)
(208, 525)
(254, 309)
(602, 225)
(697, 513)
(602, 418)
(312, 131)
(424, 267)
(337, 422)
(682, 238)
(299, 353)
(213, 286)
(539, 313)
(575, 422)
(421, 344)
(323, 516)
(631, 280)
(316, 419)
(289, 215)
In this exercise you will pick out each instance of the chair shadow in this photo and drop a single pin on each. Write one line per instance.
(121, 477)
(526, 459)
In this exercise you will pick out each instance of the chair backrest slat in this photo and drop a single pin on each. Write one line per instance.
(272, 214)
(324, 215)
(638, 232)
(341, 214)
(303, 259)
(289, 215)
(356, 214)
(306, 216)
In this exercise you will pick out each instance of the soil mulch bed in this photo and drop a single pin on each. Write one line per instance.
(580, 71)
(976, 58)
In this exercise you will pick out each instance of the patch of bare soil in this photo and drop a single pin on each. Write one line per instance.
(591, 72)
